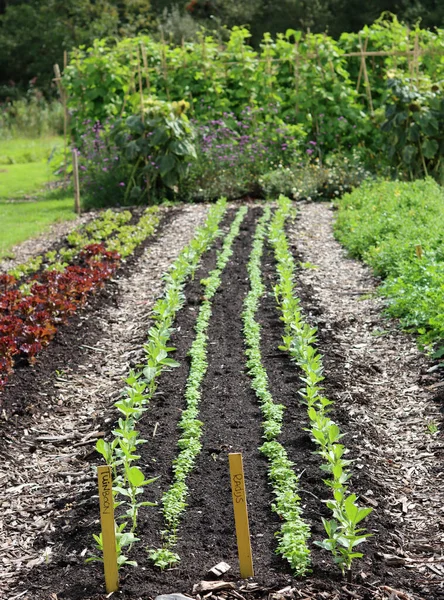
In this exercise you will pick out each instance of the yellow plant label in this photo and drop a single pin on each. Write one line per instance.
(241, 515)
(108, 528)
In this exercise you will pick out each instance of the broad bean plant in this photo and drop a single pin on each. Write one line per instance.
(343, 532)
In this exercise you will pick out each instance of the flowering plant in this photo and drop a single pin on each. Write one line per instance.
(103, 170)
(234, 152)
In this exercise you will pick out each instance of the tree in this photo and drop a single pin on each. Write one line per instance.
(35, 33)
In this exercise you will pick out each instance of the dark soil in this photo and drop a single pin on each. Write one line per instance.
(19, 397)
(232, 422)
(62, 242)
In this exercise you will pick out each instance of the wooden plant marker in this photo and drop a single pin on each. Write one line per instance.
(75, 174)
(241, 515)
(108, 529)
(418, 250)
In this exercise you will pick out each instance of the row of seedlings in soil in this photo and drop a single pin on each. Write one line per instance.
(121, 452)
(31, 313)
(100, 230)
(343, 532)
(174, 499)
(294, 532)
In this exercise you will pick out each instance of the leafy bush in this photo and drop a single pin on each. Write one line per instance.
(137, 158)
(314, 180)
(158, 146)
(415, 128)
(233, 152)
(398, 228)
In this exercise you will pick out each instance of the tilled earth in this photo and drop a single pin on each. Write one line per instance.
(385, 393)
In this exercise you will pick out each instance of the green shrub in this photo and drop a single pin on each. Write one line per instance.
(398, 229)
(314, 180)
(415, 129)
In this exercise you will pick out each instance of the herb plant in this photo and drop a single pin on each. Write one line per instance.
(294, 532)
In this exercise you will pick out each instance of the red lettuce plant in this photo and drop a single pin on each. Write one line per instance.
(28, 323)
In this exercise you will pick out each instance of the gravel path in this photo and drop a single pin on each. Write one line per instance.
(388, 388)
(44, 465)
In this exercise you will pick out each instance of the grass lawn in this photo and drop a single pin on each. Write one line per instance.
(24, 179)
(28, 150)
(22, 220)
(26, 166)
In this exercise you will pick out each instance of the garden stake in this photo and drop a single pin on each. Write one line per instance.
(241, 515)
(63, 99)
(75, 173)
(418, 250)
(108, 529)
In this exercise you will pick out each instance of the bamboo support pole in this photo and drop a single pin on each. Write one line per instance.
(131, 86)
(361, 68)
(75, 172)
(139, 72)
(165, 65)
(318, 58)
(63, 99)
(416, 57)
(411, 57)
(366, 79)
(146, 68)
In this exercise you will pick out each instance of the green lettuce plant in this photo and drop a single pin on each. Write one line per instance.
(294, 532)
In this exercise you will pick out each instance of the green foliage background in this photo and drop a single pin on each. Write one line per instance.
(34, 33)
(383, 223)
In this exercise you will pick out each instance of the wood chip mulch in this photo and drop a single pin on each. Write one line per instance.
(389, 390)
(45, 463)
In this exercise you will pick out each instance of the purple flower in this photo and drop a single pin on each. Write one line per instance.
(122, 184)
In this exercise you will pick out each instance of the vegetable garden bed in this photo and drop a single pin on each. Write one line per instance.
(233, 418)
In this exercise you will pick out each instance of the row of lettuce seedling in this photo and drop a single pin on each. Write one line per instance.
(121, 451)
(174, 499)
(294, 532)
(110, 228)
(32, 312)
(299, 340)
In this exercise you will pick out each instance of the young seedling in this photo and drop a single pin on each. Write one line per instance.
(299, 341)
